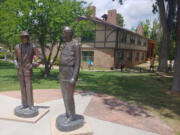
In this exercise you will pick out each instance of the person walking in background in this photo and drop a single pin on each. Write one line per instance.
(90, 66)
(122, 66)
(152, 65)
(170, 66)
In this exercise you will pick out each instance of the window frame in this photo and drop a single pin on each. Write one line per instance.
(137, 58)
(87, 56)
(130, 56)
(139, 42)
(120, 58)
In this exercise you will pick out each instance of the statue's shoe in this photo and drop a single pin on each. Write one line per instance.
(26, 112)
(69, 124)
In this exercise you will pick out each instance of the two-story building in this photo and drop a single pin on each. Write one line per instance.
(110, 45)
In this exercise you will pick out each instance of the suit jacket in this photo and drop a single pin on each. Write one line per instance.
(70, 57)
(23, 61)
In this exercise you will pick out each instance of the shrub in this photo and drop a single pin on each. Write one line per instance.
(1, 55)
(4, 52)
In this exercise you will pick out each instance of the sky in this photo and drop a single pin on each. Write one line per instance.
(133, 11)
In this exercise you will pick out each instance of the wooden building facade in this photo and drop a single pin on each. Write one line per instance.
(110, 45)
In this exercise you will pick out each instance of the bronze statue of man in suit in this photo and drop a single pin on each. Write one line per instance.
(23, 60)
(69, 66)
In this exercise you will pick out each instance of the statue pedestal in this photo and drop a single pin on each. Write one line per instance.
(84, 130)
(13, 117)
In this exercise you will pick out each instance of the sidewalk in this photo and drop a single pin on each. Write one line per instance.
(105, 114)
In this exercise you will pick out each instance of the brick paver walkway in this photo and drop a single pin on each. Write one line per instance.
(112, 109)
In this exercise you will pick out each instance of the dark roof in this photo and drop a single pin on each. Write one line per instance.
(98, 20)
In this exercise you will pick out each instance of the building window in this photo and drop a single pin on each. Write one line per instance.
(132, 39)
(142, 57)
(137, 56)
(120, 56)
(87, 55)
(129, 56)
(145, 43)
(124, 37)
(139, 42)
(88, 36)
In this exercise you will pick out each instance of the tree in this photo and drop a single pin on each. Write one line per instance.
(167, 20)
(8, 24)
(156, 34)
(176, 80)
(166, 10)
(167, 15)
(120, 20)
(133, 29)
(146, 28)
(45, 19)
(156, 31)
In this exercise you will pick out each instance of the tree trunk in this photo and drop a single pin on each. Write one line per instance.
(46, 70)
(166, 38)
(163, 57)
(45, 61)
(176, 80)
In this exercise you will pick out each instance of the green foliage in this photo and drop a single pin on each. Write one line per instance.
(8, 23)
(120, 1)
(1, 56)
(157, 49)
(156, 34)
(171, 55)
(146, 28)
(86, 30)
(156, 31)
(44, 19)
(120, 20)
(56, 62)
(3, 53)
(47, 18)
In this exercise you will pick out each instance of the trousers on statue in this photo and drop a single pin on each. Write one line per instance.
(67, 93)
(67, 89)
(26, 90)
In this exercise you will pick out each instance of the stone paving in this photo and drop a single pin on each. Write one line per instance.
(106, 115)
(111, 109)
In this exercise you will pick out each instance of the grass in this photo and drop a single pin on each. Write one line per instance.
(9, 79)
(147, 90)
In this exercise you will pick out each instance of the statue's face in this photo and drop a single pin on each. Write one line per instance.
(65, 36)
(24, 39)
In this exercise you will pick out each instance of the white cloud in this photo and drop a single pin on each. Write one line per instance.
(133, 11)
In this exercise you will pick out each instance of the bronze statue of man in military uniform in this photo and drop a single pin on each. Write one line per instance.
(23, 60)
(69, 66)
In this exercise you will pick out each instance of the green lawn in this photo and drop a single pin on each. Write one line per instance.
(144, 89)
(9, 79)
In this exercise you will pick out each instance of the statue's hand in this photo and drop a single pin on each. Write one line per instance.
(72, 80)
(16, 65)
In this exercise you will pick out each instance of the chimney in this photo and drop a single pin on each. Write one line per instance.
(112, 16)
(140, 30)
(93, 14)
(104, 17)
